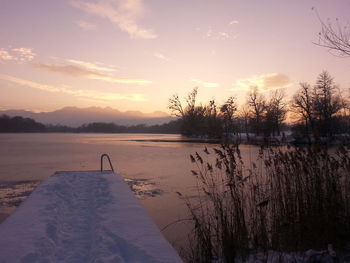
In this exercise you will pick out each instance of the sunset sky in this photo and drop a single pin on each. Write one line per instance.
(134, 54)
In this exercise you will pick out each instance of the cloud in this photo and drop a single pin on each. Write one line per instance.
(234, 22)
(19, 55)
(264, 83)
(67, 69)
(91, 66)
(90, 94)
(86, 26)
(24, 54)
(123, 13)
(222, 35)
(209, 32)
(160, 56)
(5, 55)
(206, 84)
(76, 71)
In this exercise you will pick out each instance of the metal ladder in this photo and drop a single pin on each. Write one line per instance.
(109, 160)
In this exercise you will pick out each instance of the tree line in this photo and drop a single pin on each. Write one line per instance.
(20, 124)
(314, 112)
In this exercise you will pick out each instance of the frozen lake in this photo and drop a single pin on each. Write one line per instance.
(156, 165)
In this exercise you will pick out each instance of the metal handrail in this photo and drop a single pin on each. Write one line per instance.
(109, 160)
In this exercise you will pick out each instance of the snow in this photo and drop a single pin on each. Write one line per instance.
(310, 256)
(82, 217)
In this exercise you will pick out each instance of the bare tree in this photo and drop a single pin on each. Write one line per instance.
(228, 110)
(244, 117)
(192, 115)
(318, 107)
(276, 110)
(335, 37)
(302, 106)
(257, 105)
(213, 122)
(302, 103)
(191, 101)
(326, 103)
(175, 106)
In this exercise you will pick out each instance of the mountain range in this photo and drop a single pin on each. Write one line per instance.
(74, 117)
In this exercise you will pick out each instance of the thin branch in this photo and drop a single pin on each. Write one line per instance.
(335, 38)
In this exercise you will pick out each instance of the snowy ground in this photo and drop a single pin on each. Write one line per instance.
(82, 217)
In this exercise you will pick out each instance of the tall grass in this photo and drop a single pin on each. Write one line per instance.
(293, 199)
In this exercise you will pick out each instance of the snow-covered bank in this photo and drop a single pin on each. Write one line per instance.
(82, 217)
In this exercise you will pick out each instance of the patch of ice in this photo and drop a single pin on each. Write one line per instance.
(143, 188)
(13, 193)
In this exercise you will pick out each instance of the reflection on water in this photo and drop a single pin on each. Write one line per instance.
(145, 140)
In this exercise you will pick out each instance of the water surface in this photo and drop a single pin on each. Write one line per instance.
(156, 166)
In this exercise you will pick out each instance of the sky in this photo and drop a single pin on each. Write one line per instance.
(135, 54)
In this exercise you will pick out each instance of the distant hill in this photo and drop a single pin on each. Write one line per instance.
(74, 117)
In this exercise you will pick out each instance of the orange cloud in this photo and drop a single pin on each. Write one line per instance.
(90, 94)
(84, 72)
(264, 83)
(91, 66)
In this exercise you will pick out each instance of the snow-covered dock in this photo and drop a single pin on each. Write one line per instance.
(85, 217)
